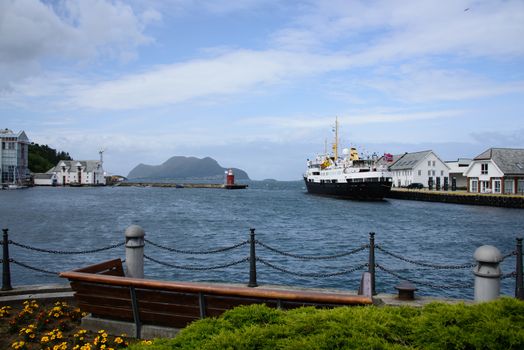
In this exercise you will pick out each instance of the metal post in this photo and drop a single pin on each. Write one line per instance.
(135, 251)
(371, 261)
(519, 285)
(6, 271)
(252, 260)
(487, 273)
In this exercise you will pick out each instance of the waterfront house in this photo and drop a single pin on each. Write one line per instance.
(44, 179)
(456, 172)
(14, 157)
(423, 167)
(497, 170)
(79, 172)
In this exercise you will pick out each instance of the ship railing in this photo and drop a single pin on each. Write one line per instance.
(263, 255)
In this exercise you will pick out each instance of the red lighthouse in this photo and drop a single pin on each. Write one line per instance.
(230, 178)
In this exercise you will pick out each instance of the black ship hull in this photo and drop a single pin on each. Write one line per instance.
(369, 191)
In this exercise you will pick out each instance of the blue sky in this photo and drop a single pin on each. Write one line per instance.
(257, 84)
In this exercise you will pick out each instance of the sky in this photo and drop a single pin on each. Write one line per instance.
(257, 85)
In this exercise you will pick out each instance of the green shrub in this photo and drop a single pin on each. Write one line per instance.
(494, 325)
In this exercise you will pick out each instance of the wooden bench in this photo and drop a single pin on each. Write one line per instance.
(105, 292)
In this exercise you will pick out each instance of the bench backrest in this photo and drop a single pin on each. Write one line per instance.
(103, 291)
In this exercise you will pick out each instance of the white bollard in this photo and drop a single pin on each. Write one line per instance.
(487, 273)
(135, 251)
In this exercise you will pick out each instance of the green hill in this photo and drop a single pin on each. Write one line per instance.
(42, 157)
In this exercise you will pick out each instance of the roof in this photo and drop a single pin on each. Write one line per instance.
(89, 165)
(20, 136)
(42, 176)
(382, 160)
(409, 160)
(509, 160)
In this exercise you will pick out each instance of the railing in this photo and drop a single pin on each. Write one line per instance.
(371, 265)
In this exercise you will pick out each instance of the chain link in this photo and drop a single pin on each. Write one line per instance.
(456, 286)
(306, 257)
(318, 275)
(508, 255)
(193, 252)
(508, 275)
(194, 268)
(63, 252)
(33, 268)
(420, 263)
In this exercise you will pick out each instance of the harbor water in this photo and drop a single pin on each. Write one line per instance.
(285, 217)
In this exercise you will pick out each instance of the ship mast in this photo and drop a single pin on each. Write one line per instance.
(335, 144)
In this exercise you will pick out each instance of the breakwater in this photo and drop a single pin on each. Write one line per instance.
(487, 199)
(179, 185)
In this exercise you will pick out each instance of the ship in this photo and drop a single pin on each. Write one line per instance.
(349, 176)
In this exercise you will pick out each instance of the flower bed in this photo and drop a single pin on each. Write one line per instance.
(51, 327)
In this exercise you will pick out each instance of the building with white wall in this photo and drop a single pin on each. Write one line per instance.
(497, 170)
(456, 172)
(423, 167)
(79, 172)
(14, 157)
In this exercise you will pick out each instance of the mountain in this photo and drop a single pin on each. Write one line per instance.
(179, 167)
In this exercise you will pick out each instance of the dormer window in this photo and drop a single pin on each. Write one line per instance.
(484, 169)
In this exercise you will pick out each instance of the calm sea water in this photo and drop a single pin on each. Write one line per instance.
(284, 216)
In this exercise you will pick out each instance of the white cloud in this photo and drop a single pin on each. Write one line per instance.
(230, 73)
(377, 31)
(32, 31)
(421, 84)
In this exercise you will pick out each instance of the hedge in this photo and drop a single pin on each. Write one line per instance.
(493, 325)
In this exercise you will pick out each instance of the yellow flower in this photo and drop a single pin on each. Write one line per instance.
(146, 342)
(119, 340)
(104, 335)
(44, 339)
(101, 331)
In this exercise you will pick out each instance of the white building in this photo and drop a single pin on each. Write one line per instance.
(14, 157)
(44, 179)
(497, 170)
(79, 172)
(423, 167)
(456, 172)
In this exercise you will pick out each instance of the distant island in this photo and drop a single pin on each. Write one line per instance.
(180, 167)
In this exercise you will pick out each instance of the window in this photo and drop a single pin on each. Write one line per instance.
(496, 186)
(420, 173)
(433, 163)
(442, 173)
(433, 172)
(429, 162)
(508, 186)
(484, 169)
(429, 172)
(520, 186)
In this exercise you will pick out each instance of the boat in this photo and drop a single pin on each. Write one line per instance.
(349, 176)
(16, 184)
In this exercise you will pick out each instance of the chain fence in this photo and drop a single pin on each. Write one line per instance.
(267, 262)
(427, 284)
(64, 252)
(425, 264)
(196, 268)
(196, 252)
(313, 275)
(311, 257)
